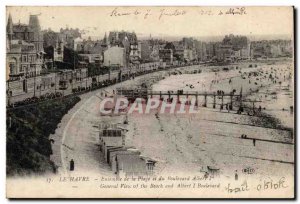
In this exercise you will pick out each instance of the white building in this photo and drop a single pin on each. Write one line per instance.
(189, 55)
(115, 56)
(245, 52)
(78, 43)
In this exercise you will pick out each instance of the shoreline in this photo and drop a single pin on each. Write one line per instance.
(274, 133)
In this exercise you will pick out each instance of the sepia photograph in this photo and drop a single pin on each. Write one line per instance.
(154, 102)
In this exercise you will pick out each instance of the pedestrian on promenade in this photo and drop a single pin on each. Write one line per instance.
(72, 165)
(254, 140)
(236, 176)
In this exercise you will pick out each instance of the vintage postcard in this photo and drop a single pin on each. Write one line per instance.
(150, 102)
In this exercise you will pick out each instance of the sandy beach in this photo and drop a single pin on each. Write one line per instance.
(186, 142)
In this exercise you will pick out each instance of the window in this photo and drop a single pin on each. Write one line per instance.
(31, 58)
(59, 50)
(150, 166)
(24, 58)
(11, 68)
(22, 68)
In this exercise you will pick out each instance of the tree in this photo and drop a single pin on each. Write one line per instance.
(93, 69)
(71, 57)
(170, 46)
(49, 38)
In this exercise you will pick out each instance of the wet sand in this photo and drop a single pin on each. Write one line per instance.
(188, 143)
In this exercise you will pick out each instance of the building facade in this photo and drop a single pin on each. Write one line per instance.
(24, 49)
(58, 52)
(166, 55)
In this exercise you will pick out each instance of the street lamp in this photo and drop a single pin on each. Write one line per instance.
(80, 79)
(8, 93)
(109, 70)
(55, 81)
(34, 81)
(121, 80)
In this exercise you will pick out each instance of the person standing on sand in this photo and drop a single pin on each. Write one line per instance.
(72, 165)
(254, 140)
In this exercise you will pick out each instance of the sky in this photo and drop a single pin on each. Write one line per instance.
(199, 22)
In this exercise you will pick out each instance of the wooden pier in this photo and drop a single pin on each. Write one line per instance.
(231, 97)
